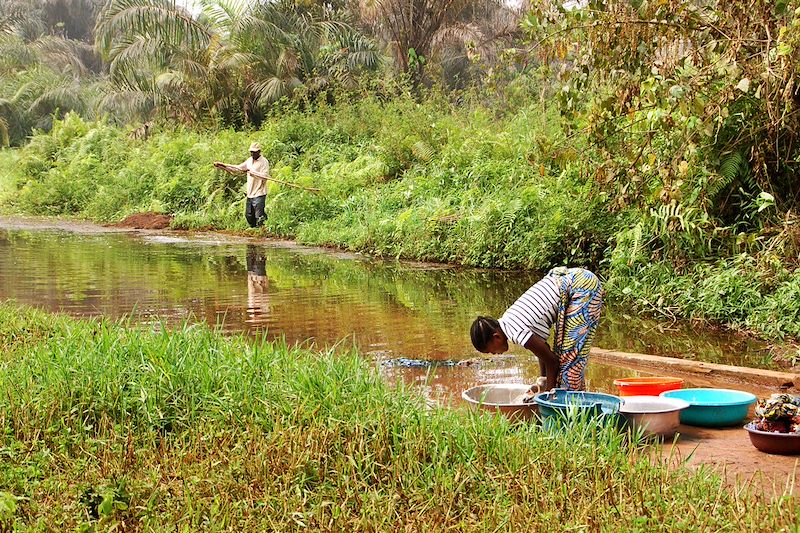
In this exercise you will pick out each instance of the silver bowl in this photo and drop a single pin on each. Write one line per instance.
(503, 398)
(655, 415)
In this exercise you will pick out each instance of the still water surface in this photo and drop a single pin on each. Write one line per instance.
(397, 314)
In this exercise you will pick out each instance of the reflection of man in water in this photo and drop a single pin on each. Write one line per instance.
(257, 285)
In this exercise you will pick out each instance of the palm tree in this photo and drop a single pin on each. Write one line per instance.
(153, 48)
(230, 60)
(295, 47)
(418, 30)
(47, 64)
(42, 73)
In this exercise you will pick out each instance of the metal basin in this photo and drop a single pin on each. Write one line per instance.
(656, 416)
(503, 398)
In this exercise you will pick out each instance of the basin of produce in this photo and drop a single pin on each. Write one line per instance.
(776, 426)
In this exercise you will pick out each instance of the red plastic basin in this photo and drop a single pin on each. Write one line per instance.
(646, 386)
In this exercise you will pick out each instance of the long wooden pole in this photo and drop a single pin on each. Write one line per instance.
(265, 177)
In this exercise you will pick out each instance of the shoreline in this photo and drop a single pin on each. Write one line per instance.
(764, 377)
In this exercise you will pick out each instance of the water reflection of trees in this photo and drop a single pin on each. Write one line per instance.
(407, 309)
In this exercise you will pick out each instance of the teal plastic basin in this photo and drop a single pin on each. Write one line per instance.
(713, 407)
(559, 402)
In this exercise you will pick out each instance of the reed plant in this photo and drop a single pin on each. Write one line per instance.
(108, 427)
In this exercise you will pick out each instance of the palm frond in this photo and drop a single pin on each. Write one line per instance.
(27, 91)
(66, 55)
(129, 105)
(169, 81)
(14, 121)
(360, 51)
(161, 19)
(190, 67)
(232, 59)
(223, 14)
(330, 29)
(288, 62)
(136, 51)
(273, 89)
(15, 54)
(62, 98)
(5, 139)
(457, 33)
(267, 32)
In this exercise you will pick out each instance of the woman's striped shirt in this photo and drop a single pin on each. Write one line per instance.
(533, 313)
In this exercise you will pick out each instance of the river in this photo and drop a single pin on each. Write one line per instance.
(410, 319)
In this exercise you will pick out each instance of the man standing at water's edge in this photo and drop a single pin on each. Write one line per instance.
(257, 168)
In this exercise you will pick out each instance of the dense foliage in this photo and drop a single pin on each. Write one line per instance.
(107, 428)
(693, 110)
(227, 63)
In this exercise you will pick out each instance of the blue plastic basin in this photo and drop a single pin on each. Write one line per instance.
(713, 407)
(559, 402)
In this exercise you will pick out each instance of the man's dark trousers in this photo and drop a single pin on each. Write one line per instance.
(254, 211)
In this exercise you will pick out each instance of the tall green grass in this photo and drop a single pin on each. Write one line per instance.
(424, 181)
(752, 293)
(107, 427)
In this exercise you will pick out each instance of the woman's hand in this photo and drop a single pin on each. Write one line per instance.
(536, 388)
(541, 350)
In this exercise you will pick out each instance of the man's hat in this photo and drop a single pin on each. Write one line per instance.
(255, 147)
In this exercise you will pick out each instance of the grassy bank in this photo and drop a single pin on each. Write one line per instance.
(188, 430)
(427, 181)
(398, 178)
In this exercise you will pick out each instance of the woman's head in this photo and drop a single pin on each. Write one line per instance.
(487, 336)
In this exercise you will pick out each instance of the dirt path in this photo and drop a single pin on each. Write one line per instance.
(727, 450)
(730, 452)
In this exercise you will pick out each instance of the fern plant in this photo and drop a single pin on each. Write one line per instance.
(734, 167)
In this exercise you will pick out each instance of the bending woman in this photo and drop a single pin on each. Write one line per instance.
(568, 299)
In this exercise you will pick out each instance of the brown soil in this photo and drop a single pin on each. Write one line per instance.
(730, 453)
(148, 220)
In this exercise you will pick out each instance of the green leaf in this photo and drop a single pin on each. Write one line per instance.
(784, 49)
(106, 507)
(676, 91)
(8, 506)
